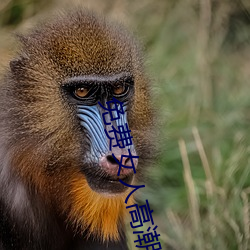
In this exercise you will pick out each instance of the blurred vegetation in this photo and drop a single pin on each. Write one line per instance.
(199, 57)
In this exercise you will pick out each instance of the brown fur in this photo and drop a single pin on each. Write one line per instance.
(40, 133)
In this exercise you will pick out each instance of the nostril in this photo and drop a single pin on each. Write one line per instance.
(127, 160)
(111, 159)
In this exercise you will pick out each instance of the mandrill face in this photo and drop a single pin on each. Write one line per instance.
(53, 127)
(88, 95)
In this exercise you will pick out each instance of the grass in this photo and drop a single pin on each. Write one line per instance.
(199, 59)
(201, 189)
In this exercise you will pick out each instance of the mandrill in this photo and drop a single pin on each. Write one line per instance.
(59, 187)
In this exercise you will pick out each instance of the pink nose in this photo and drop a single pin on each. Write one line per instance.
(111, 166)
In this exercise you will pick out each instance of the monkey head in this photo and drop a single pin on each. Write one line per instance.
(52, 126)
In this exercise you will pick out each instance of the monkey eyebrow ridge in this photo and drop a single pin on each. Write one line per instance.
(87, 79)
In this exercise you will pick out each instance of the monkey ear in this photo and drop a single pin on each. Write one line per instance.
(18, 63)
(15, 64)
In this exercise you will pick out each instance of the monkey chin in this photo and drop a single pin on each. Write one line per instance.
(107, 183)
(97, 211)
(109, 186)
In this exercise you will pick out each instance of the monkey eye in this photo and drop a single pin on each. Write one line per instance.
(81, 92)
(118, 89)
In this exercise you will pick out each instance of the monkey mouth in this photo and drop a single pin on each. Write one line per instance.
(102, 182)
(112, 179)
